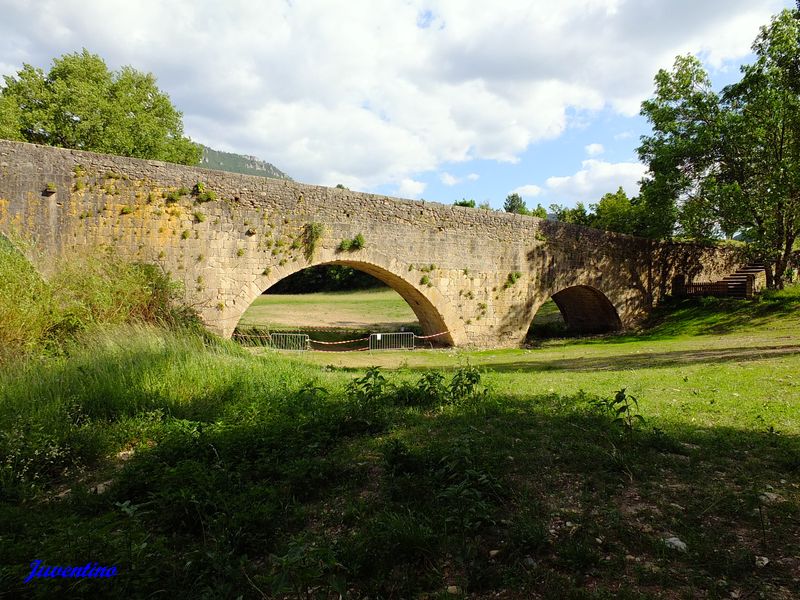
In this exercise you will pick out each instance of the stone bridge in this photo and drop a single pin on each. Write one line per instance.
(477, 276)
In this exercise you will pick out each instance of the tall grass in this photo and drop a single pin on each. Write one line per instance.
(38, 315)
(26, 303)
(119, 386)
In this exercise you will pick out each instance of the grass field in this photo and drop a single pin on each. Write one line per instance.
(378, 308)
(202, 469)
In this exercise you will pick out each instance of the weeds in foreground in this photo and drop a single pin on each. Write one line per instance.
(623, 409)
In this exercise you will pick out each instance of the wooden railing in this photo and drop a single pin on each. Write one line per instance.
(714, 288)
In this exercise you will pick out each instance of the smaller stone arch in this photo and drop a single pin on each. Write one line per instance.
(587, 310)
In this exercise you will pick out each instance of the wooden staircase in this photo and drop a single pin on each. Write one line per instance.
(744, 283)
(738, 282)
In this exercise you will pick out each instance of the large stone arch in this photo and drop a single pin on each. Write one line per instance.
(587, 310)
(431, 308)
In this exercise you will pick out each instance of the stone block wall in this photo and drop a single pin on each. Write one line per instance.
(478, 275)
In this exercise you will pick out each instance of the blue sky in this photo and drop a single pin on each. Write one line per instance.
(440, 100)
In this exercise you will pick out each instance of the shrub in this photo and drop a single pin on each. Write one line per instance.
(173, 196)
(312, 233)
(357, 243)
(511, 279)
(202, 194)
(38, 315)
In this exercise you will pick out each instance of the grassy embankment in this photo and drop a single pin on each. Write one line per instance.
(202, 470)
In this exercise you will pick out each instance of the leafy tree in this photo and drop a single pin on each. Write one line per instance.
(464, 202)
(485, 205)
(730, 162)
(9, 120)
(575, 216)
(515, 204)
(80, 104)
(684, 115)
(616, 212)
(539, 211)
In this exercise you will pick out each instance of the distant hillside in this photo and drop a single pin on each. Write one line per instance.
(239, 163)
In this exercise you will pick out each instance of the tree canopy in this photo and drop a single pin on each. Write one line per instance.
(729, 163)
(81, 104)
(515, 204)
(464, 202)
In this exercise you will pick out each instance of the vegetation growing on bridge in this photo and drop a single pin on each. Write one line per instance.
(312, 234)
(357, 243)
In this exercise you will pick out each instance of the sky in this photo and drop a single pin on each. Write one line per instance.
(440, 100)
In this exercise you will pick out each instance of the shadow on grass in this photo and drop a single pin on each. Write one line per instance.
(716, 316)
(331, 494)
(647, 360)
(699, 317)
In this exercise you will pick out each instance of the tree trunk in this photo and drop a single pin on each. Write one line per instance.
(769, 271)
(782, 264)
(780, 272)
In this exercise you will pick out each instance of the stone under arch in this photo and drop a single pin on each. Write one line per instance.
(587, 310)
(429, 306)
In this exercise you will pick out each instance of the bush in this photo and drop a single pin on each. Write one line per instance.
(201, 194)
(357, 243)
(39, 316)
(311, 235)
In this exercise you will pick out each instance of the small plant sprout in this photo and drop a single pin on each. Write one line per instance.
(512, 279)
(623, 410)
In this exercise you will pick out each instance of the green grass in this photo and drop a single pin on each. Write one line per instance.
(201, 469)
(379, 308)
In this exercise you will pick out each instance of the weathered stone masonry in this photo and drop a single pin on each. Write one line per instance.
(479, 275)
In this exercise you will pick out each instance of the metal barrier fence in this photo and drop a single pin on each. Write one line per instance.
(391, 341)
(290, 341)
(405, 340)
(278, 341)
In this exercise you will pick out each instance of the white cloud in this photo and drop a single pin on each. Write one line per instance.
(448, 179)
(381, 93)
(410, 188)
(594, 149)
(527, 191)
(595, 178)
(473, 177)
